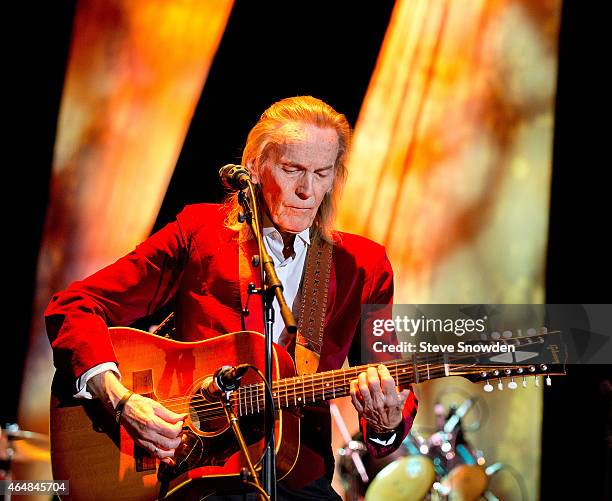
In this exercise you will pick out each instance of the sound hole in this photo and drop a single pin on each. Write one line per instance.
(207, 417)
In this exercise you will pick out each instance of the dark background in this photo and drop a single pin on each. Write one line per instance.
(326, 49)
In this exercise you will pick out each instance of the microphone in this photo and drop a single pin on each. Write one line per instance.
(226, 379)
(234, 177)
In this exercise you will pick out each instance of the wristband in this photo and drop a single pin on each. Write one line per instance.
(121, 405)
(381, 429)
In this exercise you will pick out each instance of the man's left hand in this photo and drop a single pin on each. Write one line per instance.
(377, 399)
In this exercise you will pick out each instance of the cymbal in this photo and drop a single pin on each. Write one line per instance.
(21, 446)
(16, 434)
(25, 452)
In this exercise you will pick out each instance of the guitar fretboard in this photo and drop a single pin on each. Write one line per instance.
(313, 388)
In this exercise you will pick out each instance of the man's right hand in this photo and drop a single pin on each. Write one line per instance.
(149, 423)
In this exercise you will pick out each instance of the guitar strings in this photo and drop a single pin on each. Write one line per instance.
(282, 391)
(316, 385)
(285, 386)
(253, 394)
(288, 381)
(212, 413)
(216, 409)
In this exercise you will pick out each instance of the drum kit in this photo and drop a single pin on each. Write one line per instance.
(443, 467)
(20, 449)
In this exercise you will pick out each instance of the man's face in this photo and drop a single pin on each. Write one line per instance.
(296, 177)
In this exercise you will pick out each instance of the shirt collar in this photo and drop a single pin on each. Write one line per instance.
(270, 231)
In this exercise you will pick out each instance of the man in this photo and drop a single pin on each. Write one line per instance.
(296, 154)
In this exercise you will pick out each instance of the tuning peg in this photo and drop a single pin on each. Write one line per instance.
(537, 381)
(500, 385)
(548, 380)
(512, 385)
(524, 382)
(488, 387)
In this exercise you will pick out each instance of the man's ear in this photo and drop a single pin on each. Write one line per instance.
(254, 175)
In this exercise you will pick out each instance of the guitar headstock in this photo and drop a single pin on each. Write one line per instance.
(545, 351)
(507, 374)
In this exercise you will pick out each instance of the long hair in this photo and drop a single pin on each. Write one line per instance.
(277, 126)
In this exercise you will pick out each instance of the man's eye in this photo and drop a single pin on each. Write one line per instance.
(323, 174)
(290, 170)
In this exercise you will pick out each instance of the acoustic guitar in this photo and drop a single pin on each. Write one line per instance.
(101, 461)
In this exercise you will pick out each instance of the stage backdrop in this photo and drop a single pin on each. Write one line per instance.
(135, 74)
(451, 168)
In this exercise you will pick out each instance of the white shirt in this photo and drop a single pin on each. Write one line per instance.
(289, 273)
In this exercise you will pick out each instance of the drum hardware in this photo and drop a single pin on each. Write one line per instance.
(354, 448)
(443, 467)
(20, 447)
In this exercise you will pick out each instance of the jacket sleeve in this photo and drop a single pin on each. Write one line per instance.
(381, 293)
(77, 318)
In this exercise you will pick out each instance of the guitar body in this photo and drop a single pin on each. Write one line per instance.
(100, 459)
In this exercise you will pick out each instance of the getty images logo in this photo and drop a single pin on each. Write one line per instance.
(412, 326)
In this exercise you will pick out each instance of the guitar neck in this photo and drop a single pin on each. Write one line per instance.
(322, 386)
(313, 388)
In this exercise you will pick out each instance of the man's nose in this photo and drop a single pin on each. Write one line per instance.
(305, 186)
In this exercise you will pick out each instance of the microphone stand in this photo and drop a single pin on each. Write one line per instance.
(233, 421)
(271, 288)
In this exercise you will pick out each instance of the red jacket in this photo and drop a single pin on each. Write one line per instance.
(207, 267)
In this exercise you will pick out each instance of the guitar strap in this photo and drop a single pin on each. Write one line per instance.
(309, 339)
